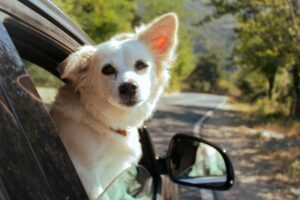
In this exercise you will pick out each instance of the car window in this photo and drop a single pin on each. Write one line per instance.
(35, 46)
(40, 57)
(46, 83)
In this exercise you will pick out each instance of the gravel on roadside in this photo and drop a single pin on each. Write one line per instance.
(265, 168)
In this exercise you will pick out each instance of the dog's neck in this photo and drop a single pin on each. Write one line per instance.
(100, 117)
(112, 117)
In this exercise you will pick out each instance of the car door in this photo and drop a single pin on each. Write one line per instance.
(33, 161)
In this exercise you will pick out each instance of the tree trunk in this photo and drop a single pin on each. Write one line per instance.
(270, 87)
(295, 107)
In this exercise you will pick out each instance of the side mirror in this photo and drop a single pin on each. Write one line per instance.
(196, 162)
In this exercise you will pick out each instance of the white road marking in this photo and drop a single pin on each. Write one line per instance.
(206, 194)
(198, 124)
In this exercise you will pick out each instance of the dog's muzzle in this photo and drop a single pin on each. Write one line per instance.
(127, 93)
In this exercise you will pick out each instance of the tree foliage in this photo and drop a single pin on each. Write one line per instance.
(205, 77)
(268, 41)
(101, 19)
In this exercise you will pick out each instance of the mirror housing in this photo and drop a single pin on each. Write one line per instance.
(194, 161)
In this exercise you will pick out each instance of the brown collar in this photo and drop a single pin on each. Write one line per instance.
(120, 132)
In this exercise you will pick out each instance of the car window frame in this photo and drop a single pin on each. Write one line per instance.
(73, 187)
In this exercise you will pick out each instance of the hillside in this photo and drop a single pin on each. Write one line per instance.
(216, 36)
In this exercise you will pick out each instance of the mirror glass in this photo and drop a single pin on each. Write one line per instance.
(134, 183)
(196, 162)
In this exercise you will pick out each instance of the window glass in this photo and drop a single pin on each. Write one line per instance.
(46, 83)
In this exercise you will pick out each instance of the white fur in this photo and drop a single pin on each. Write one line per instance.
(88, 109)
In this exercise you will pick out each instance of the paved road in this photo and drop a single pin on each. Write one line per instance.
(180, 113)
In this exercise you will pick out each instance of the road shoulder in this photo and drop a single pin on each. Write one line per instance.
(264, 167)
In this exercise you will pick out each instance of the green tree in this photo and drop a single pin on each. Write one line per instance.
(258, 50)
(101, 19)
(205, 77)
(268, 35)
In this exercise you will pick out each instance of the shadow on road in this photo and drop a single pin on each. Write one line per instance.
(265, 168)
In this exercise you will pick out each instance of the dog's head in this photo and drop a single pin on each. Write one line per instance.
(128, 71)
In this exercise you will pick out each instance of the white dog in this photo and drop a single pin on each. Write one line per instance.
(113, 88)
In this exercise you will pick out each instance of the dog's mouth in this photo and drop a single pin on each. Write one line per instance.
(130, 102)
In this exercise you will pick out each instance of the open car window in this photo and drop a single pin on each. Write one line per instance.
(47, 84)
(41, 54)
(35, 46)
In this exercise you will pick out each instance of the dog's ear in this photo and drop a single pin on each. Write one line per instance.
(76, 63)
(161, 36)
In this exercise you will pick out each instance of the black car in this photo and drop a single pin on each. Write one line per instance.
(33, 161)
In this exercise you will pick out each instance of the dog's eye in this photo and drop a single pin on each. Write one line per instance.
(108, 69)
(139, 65)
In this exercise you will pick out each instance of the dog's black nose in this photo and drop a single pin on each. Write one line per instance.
(128, 89)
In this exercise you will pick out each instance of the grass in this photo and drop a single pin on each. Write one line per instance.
(268, 115)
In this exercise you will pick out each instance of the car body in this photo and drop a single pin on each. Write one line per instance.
(34, 162)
